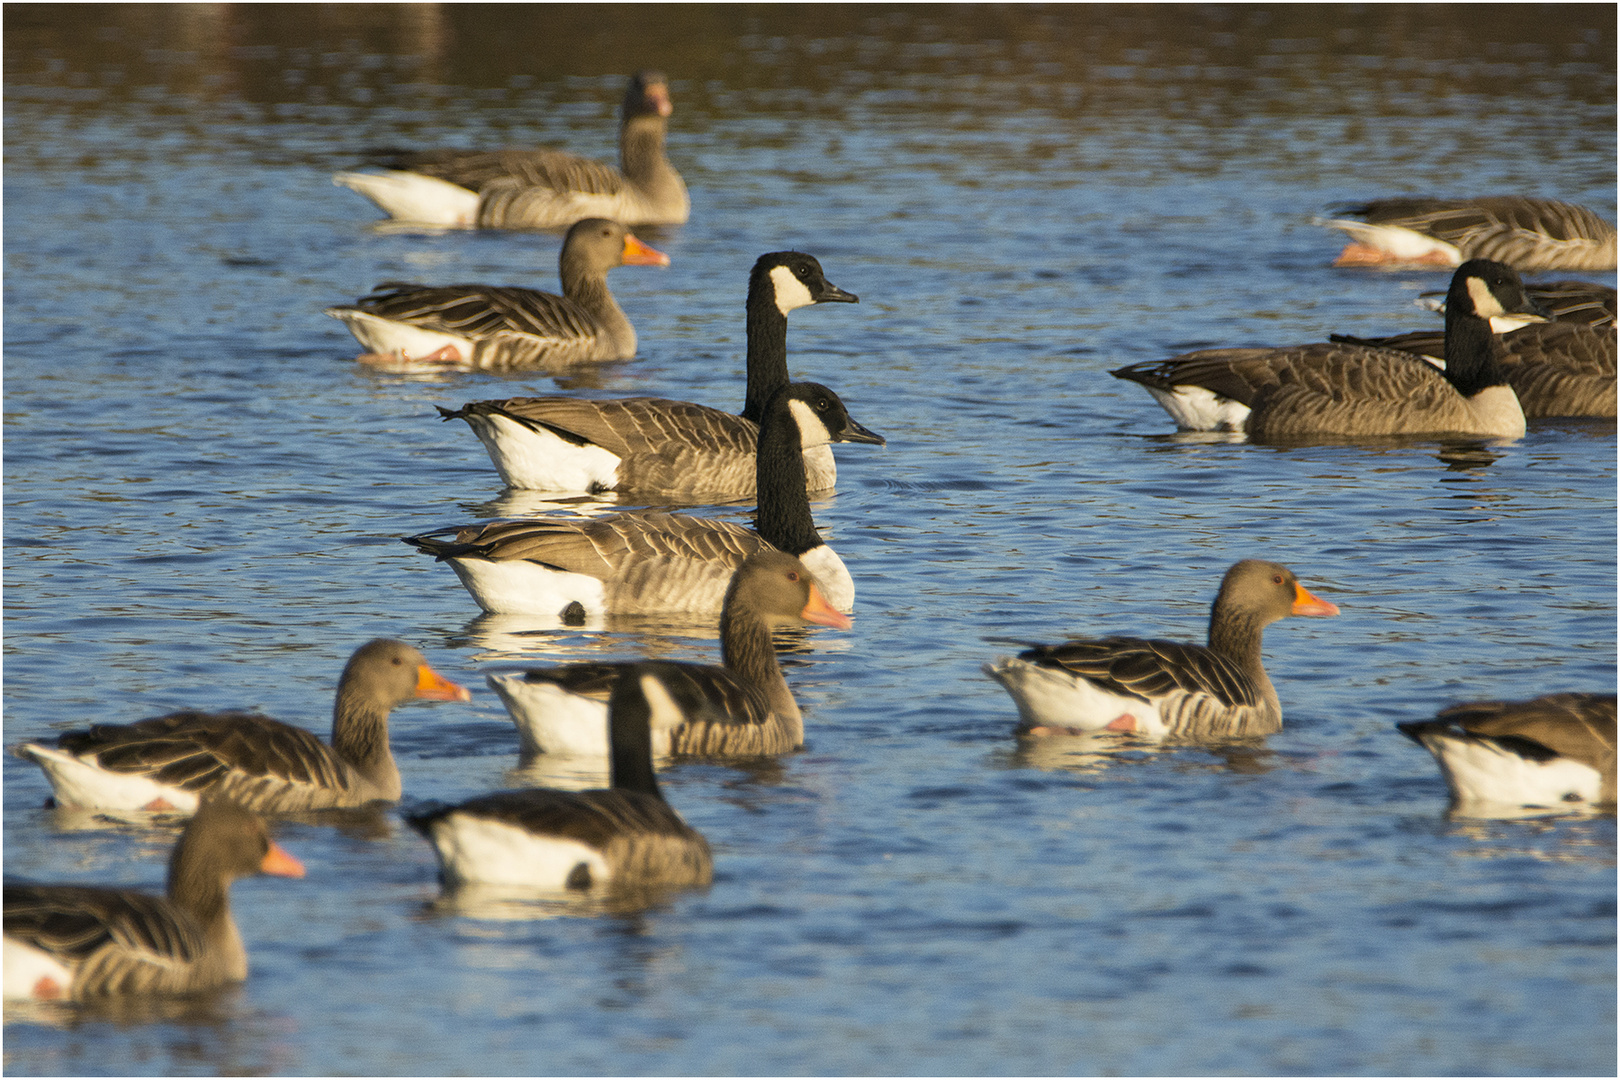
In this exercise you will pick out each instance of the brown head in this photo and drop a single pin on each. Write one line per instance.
(778, 589)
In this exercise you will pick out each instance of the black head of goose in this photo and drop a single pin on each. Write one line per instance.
(1337, 390)
(168, 763)
(78, 941)
(1554, 752)
(625, 835)
(504, 327)
(544, 189)
(1525, 233)
(657, 563)
(748, 708)
(654, 445)
(1165, 688)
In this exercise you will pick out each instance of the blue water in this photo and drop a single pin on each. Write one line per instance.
(203, 495)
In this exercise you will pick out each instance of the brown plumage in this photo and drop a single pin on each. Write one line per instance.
(1525, 233)
(80, 942)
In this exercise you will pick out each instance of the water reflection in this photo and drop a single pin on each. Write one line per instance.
(507, 903)
(216, 1008)
(1091, 753)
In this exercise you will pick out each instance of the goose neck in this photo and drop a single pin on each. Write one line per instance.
(1473, 353)
(586, 286)
(641, 148)
(630, 748)
(783, 515)
(747, 652)
(197, 887)
(767, 348)
(1235, 634)
(360, 737)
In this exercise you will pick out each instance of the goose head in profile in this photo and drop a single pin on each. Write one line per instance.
(781, 281)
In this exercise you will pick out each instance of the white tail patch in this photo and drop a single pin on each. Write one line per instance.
(1194, 408)
(408, 196)
(81, 782)
(1480, 771)
(549, 719)
(34, 973)
(404, 339)
(540, 460)
(1405, 245)
(520, 587)
(481, 850)
(1052, 698)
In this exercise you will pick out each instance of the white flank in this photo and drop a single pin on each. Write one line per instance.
(408, 196)
(790, 291)
(832, 576)
(520, 587)
(1480, 771)
(26, 966)
(477, 849)
(1049, 697)
(1402, 243)
(1194, 408)
(82, 783)
(400, 338)
(540, 460)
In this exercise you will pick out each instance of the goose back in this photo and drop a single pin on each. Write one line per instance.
(1525, 233)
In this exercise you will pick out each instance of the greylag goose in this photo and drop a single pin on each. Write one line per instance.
(1165, 688)
(544, 189)
(1551, 751)
(748, 709)
(623, 835)
(1527, 234)
(655, 563)
(504, 327)
(1325, 389)
(656, 446)
(78, 941)
(168, 763)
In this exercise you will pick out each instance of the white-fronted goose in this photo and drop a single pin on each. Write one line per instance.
(168, 763)
(78, 941)
(1327, 389)
(653, 563)
(545, 189)
(656, 446)
(1551, 751)
(504, 327)
(624, 835)
(1165, 688)
(1526, 234)
(748, 709)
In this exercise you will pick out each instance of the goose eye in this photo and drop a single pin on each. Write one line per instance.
(793, 575)
(1277, 578)
(803, 271)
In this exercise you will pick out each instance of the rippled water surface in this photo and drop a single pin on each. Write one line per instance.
(203, 495)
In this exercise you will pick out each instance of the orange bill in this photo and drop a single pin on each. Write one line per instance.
(435, 687)
(278, 862)
(1306, 604)
(822, 613)
(638, 254)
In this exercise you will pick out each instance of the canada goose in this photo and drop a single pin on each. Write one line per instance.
(653, 563)
(1349, 390)
(502, 327)
(671, 448)
(1549, 751)
(170, 762)
(79, 941)
(1165, 687)
(1527, 234)
(748, 708)
(544, 189)
(622, 835)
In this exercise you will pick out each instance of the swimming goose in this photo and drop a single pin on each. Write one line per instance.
(523, 189)
(1161, 688)
(1349, 390)
(1527, 234)
(1549, 751)
(502, 327)
(623, 835)
(651, 445)
(748, 708)
(170, 762)
(79, 941)
(653, 563)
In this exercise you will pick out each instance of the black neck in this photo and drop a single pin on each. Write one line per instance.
(1472, 353)
(783, 517)
(630, 738)
(767, 348)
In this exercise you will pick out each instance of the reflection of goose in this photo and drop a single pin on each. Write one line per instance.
(1553, 751)
(169, 762)
(501, 326)
(1165, 687)
(1350, 390)
(515, 189)
(78, 941)
(649, 563)
(1527, 234)
(625, 835)
(653, 445)
(747, 708)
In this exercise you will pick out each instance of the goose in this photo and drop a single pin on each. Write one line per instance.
(748, 709)
(539, 189)
(1332, 389)
(1165, 688)
(1550, 751)
(1527, 234)
(623, 835)
(169, 763)
(656, 446)
(504, 327)
(656, 563)
(78, 942)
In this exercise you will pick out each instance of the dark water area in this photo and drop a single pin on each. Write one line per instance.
(203, 495)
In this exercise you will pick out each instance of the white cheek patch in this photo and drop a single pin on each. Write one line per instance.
(812, 429)
(790, 291)
(1486, 305)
